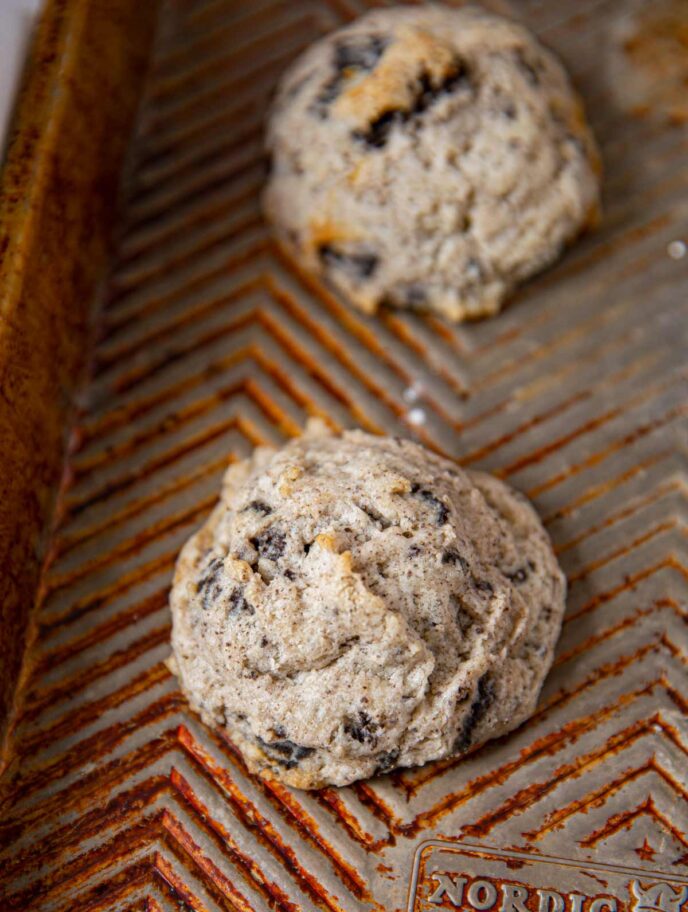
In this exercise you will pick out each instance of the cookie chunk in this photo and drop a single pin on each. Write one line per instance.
(357, 603)
(429, 158)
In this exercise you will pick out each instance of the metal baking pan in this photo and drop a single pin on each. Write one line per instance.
(152, 361)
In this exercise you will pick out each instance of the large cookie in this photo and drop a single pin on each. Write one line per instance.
(429, 158)
(357, 603)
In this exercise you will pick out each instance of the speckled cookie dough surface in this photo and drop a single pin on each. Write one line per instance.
(356, 603)
(429, 158)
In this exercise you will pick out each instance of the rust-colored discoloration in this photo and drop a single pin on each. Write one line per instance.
(648, 59)
(651, 533)
(574, 882)
(56, 198)
(514, 864)
(332, 800)
(150, 605)
(630, 581)
(96, 823)
(96, 747)
(136, 508)
(547, 746)
(409, 336)
(138, 473)
(592, 493)
(117, 319)
(385, 870)
(413, 782)
(626, 440)
(165, 527)
(50, 697)
(629, 510)
(265, 831)
(329, 341)
(625, 819)
(614, 629)
(585, 428)
(520, 800)
(516, 804)
(123, 883)
(306, 825)
(597, 798)
(271, 891)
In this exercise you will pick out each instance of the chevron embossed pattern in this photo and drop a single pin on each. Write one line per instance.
(116, 796)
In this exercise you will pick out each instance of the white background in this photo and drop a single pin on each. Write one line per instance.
(16, 20)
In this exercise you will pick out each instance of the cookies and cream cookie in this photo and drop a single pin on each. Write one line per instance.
(429, 158)
(356, 603)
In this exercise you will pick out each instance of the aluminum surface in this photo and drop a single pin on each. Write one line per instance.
(211, 343)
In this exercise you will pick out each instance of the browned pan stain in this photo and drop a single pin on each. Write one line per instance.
(60, 844)
(523, 798)
(615, 744)
(139, 506)
(189, 85)
(638, 504)
(625, 441)
(626, 624)
(52, 658)
(125, 305)
(139, 473)
(406, 334)
(92, 712)
(596, 491)
(587, 426)
(625, 820)
(649, 59)
(117, 319)
(160, 530)
(210, 20)
(56, 210)
(651, 533)
(598, 798)
(50, 697)
(629, 582)
(293, 811)
(223, 840)
(209, 241)
(555, 741)
(166, 236)
(98, 781)
(331, 799)
(267, 833)
(105, 596)
(547, 745)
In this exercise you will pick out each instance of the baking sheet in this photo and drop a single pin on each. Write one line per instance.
(209, 343)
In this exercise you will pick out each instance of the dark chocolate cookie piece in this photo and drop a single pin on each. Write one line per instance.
(485, 695)
(349, 56)
(357, 265)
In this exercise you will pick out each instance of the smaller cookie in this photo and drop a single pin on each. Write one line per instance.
(357, 603)
(429, 158)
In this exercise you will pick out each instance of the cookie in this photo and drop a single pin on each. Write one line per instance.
(429, 158)
(356, 603)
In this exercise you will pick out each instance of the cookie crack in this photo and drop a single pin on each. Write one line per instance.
(426, 94)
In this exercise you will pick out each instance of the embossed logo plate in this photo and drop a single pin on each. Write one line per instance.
(481, 879)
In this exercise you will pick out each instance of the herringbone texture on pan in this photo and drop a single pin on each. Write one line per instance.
(117, 797)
